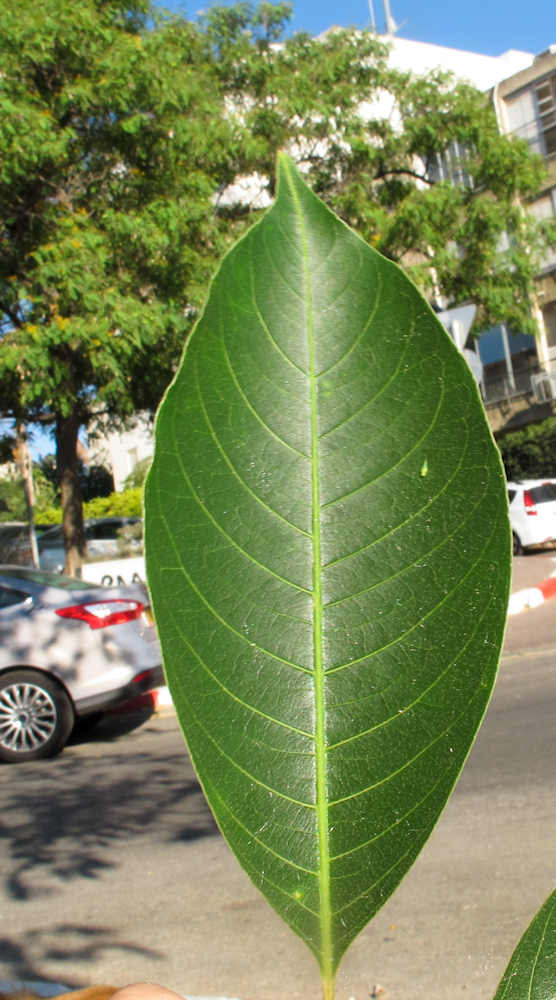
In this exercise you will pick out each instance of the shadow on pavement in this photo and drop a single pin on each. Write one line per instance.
(63, 942)
(61, 817)
(109, 727)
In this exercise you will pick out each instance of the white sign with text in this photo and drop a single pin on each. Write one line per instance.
(115, 572)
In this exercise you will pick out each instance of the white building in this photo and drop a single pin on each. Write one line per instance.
(121, 451)
(483, 71)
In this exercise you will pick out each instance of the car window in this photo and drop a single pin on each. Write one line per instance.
(103, 530)
(511, 495)
(52, 535)
(9, 597)
(544, 493)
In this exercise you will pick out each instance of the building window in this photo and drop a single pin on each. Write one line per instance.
(546, 100)
(545, 208)
(521, 113)
(531, 114)
(450, 166)
(549, 317)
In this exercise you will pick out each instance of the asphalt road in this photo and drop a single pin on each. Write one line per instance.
(112, 869)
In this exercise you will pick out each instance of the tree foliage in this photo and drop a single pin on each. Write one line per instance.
(12, 497)
(138, 474)
(112, 143)
(95, 480)
(457, 220)
(416, 165)
(125, 504)
(120, 138)
(530, 453)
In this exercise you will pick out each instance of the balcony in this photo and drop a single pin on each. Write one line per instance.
(534, 380)
(519, 383)
(512, 401)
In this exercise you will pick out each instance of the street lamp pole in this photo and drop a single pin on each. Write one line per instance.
(390, 23)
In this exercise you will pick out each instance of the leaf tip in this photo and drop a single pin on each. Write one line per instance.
(286, 169)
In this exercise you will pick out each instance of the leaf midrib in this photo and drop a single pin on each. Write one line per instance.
(320, 746)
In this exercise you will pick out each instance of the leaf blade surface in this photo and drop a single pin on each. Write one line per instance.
(328, 555)
(531, 972)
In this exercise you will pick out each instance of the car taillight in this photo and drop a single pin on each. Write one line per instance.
(145, 675)
(100, 614)
(530, 505)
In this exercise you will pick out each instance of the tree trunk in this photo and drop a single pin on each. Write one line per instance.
(67, 430)
(23, 460)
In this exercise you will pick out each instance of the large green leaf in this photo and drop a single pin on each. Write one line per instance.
(531, 974)
(328, 555)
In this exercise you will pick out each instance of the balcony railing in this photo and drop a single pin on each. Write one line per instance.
(521, 384)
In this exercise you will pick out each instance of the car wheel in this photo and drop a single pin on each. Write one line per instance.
(517, 546)
(36, 716)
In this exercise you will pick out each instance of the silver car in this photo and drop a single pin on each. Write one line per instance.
(67, 649)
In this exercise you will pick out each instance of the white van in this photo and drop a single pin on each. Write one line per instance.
(532, 512)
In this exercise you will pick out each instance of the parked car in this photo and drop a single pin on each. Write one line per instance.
(532, 512)
(67, 649)
(101, 536)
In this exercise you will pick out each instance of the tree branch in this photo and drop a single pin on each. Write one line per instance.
(382, 174)
(12, 316)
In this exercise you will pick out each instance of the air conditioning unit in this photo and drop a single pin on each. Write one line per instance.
(544, 387)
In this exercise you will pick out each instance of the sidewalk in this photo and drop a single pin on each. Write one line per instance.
(534, 581)
(531, 628)
(531, 633)
(529, 570)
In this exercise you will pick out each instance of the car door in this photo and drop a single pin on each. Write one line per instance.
(16, 627)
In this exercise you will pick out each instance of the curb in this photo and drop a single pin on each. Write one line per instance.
(157, 701)
(532, 597)
(163, 703)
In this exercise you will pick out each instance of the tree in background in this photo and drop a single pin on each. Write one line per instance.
(530, 453)
(112, 142)
(138, 474)
(464, 215)
(13, 505)
(119, 141)
(94, 480)
(416, 165)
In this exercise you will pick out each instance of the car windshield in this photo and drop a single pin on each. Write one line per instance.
(47, 579)
(544, 493)
(103, 529)
(56, 532)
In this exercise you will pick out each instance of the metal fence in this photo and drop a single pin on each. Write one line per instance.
(507, 387)
(15, 544)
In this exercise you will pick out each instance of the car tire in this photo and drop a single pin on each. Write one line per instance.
(517, 547)
(36, 716)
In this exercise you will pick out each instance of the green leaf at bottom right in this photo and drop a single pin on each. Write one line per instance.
(531, 973)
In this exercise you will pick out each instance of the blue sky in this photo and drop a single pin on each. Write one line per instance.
(40, 444)
(487, 26)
